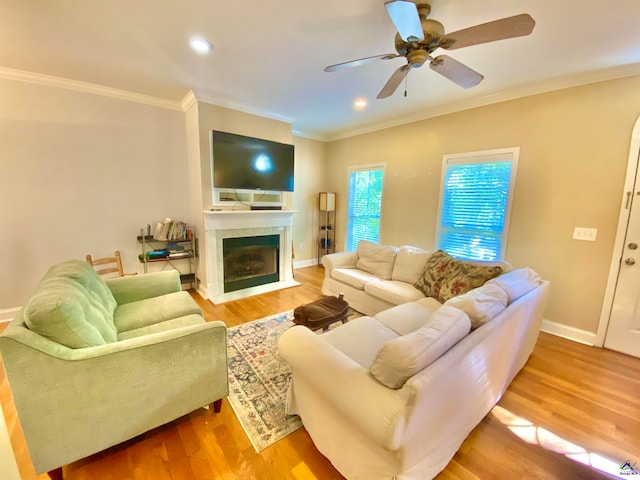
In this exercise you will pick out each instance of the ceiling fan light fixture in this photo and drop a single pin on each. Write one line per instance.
(417, 58)
(200, 45)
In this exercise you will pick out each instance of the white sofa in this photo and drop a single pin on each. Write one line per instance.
(377, 277)
(394, 395)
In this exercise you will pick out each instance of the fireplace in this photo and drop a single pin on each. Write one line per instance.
(250, 261)
(227, 229)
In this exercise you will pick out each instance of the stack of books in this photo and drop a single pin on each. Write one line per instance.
(171, 229)
(179, 250)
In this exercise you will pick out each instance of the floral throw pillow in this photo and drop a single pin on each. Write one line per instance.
(444, 277)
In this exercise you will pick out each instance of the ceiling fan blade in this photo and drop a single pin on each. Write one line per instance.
(360, 61)
(510, 27)
(455, 71)
(404, 16)
(393, 82)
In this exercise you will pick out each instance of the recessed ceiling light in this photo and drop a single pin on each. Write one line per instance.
(359, 104)
(200, 45)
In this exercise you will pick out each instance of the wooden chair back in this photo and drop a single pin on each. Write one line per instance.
(107, 265)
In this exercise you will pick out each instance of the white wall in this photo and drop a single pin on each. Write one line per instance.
(310, 178)
(81, 173)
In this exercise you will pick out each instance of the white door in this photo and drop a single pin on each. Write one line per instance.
(623, 332)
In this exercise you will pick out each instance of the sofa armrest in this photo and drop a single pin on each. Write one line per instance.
(339, 260)
(18, 337)
(140, 287)
(377, 411)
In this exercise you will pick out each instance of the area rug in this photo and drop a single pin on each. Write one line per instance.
(259, 377)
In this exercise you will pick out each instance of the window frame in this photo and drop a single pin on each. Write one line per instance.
(512, 155)
(362, 168)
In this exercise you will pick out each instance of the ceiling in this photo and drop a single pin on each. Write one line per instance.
(269, 56)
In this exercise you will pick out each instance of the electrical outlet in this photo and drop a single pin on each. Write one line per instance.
(586, 234)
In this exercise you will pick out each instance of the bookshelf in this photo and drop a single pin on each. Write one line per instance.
(178, 254)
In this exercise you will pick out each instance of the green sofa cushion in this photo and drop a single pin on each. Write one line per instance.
(142, 313)
(173, 324)
(85, 275)
(73, 306)
(64, 312)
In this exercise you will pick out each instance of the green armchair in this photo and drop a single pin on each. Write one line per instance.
(92, 363)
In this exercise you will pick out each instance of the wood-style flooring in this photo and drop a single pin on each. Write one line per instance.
(571, 410)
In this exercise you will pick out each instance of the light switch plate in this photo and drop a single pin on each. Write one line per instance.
(587, 234)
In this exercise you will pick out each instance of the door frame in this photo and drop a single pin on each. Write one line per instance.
(618, 246)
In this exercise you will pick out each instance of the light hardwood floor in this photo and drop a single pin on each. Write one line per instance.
(570, 405)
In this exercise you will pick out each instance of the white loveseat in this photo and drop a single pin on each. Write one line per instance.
(393, 395)
(376, 277)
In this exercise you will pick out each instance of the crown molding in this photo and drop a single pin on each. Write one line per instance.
(211, 99)
(310, 136)
(85, 87)
(561, 83)
(188, 101)
(205, 97)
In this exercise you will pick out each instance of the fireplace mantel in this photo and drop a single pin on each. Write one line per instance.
(232, 219)
(221, 224)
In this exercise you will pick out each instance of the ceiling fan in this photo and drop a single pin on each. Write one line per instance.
(418, 37)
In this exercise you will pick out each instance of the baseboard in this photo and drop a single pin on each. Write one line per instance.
(570, 333)
(7, 314)
(202, 291)
(305, 263)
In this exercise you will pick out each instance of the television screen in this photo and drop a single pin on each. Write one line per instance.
(248, 163)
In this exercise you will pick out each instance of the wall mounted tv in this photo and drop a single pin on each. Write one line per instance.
(248, 163)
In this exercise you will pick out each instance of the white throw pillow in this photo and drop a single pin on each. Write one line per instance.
(376, 259)
(410, 262)
(517, 282)
(481, 304)
(401, 358)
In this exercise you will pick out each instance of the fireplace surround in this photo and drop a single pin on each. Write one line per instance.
(240, 227)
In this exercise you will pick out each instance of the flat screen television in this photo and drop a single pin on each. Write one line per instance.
(248, 163)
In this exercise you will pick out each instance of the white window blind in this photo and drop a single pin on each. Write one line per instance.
(365, 202)
(475, 203)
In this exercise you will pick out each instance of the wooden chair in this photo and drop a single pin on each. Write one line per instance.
(111, 264)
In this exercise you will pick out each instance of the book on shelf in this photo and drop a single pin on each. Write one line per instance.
(170, 229)
(177, 255)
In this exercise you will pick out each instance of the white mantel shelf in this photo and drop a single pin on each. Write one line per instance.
(221, 224)
(230, 219)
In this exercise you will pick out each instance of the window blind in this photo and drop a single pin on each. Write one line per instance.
(474, 209)
(365, 201)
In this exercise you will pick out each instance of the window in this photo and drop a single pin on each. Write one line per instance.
(365, 201)
(475, 203)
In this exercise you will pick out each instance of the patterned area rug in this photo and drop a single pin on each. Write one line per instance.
(258, 378)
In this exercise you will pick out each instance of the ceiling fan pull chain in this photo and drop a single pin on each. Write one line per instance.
(406, 81)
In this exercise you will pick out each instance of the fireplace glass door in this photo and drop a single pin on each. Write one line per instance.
(250, 261)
